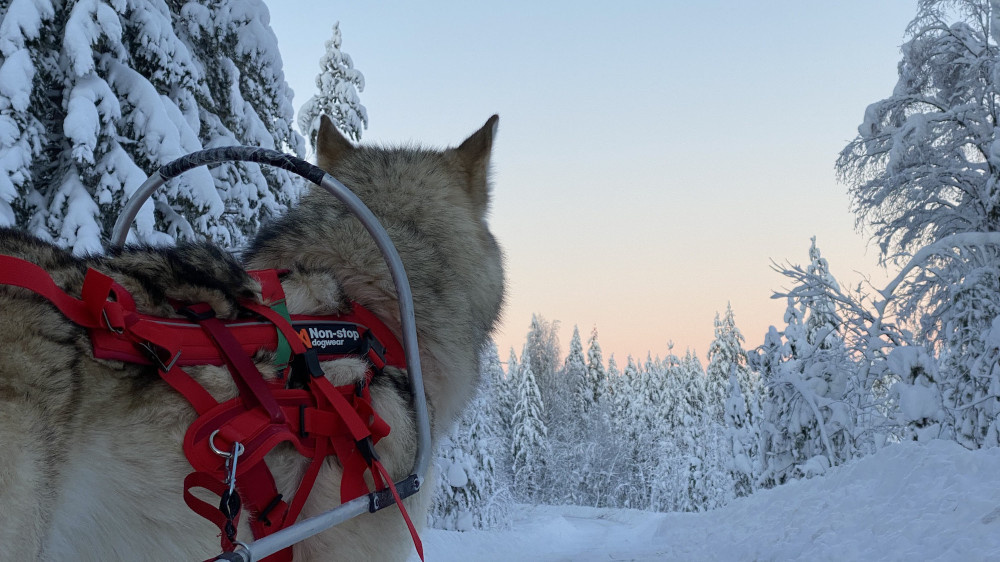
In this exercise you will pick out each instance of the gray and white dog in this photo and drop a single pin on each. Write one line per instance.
(92, 465)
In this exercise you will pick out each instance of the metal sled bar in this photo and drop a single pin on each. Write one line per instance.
(314, 525)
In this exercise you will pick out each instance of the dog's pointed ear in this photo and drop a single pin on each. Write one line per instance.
(474, 156)
(331, 146)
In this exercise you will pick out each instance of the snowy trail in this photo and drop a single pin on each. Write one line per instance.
(934, 501)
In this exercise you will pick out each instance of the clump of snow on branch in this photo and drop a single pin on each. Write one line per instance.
(97, 97)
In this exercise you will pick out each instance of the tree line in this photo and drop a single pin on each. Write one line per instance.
(852, 369)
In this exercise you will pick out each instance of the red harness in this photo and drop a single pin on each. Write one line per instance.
(227, 443)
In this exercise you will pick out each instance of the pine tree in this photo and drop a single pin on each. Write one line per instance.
(661, 438)
(725, 358)
(338, 83)
(629, 425)
(614, 374)
(504, 405)
(728, 371)
(587, 454)
(741, 420)
(567, 475)
(97, 94)
(473, 491)
(704, 454)
(543, 348)
(529, 442)
(574, 373)
(596, 375)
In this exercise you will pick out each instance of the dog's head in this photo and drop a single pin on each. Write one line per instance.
(433, 204)
(457, 171)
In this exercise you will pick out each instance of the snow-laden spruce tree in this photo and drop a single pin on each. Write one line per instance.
(812, 393)
(742, 417)
(704, 443)
(731, 413)
(338, 83)
(543, 348)
(666, 444)
(598, 455)
(725, 357)
(925, 169)
(597, 376)
(568, 471)
(728, 372)
(529, 440)
(473, 490)
(504, 404)
(574, 374)
(629, 425)
(96, 94)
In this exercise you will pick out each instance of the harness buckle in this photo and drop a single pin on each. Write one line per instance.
(154, 352)
(373, 350)
(111, 327)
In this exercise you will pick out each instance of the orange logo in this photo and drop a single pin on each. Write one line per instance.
(304, 336)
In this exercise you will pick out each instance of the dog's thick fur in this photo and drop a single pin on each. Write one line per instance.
(91, 465)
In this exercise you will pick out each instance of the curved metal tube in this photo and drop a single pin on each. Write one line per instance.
(309, 527)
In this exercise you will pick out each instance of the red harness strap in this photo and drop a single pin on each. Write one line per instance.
(317, 421)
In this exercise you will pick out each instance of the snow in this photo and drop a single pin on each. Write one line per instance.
(457, 476)
(910, 501)
(22, 20)
(16, 74)
(992, 337)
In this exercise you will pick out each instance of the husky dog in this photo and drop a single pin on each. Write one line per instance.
(91, 466)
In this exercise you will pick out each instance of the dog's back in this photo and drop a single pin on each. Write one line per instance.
(93, 466)
(85, 440)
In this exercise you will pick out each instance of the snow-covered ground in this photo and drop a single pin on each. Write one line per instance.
(912, 502)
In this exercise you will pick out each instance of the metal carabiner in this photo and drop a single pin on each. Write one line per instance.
(231, 459)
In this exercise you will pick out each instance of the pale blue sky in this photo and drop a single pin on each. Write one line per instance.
(652, 157)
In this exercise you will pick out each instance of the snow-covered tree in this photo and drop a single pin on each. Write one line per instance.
(924, 169)
(813, 393)
(613, 372)
(504, 404)
(917, 392)
(968, 277)
(567, 474)
(96, 94)
(338, 83)
(742, 416)
(574, 373)
(473, 490)
(600, 453)
(543, 349)
(705, 452)
(726, 358)
(729, 373)
(923, 165)
(596, 374)
(629, 425)
(529, 440)
(823, 325)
